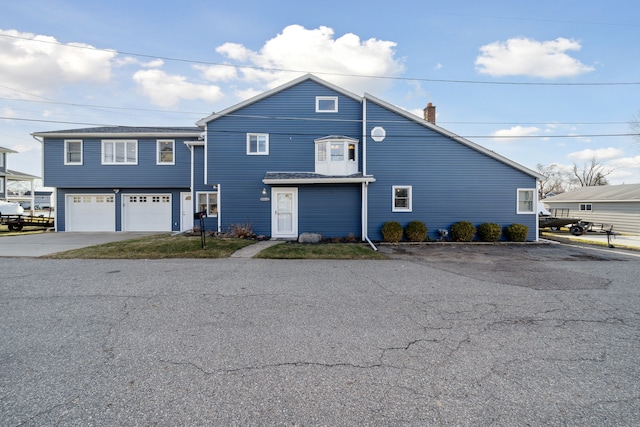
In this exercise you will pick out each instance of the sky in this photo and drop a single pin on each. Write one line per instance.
(544, 82)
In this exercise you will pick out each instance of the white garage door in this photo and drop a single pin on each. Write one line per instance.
(146, 212)
(90, 212)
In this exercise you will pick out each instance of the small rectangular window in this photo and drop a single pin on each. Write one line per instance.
(208, 202)
(586, 207)
(337, 152)
(165, 152)
(401, 198)
(322, 151)
(525, 201)
(326, 104)
(73, 152)
(258, 143)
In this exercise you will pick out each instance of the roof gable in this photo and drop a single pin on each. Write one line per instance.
(451, 135)
(274, 91)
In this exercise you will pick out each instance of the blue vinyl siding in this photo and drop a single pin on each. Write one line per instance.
(450, 181)
(93, 174)
(331, 210)
(291, 147)
(199, 185)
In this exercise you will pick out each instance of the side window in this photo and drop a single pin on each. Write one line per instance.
(326, 104)
(208, 202)
(525, 201)
(165, 152)
(401, 198)
(258, 143)
(587, 207)
(73, 152)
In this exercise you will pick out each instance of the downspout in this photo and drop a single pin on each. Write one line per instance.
(365, 185)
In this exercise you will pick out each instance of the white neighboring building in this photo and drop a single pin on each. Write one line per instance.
(617, 205)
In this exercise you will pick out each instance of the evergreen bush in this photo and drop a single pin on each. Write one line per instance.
(392, 232)
(462, 231)
(489, 232)
(416, 231)
(517, 232)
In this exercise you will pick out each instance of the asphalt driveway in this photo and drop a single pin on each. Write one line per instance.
(451, 335)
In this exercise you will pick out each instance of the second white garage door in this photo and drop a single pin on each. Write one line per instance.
(146, 212)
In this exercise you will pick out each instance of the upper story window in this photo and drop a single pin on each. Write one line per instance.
(165, 152)
(258, 143)
(326, 104)
(525, 201)
(336, 155)
(586, 207)
(401, 198)
(73, 152)
(120, 152)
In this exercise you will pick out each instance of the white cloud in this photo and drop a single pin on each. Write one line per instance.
(526, 57)
(598, 154)
(299, 50)
(514, 133)
(8, 112)
(627, 162)
(37, 64)
(167, 90)
(217, 73)
(156, 63)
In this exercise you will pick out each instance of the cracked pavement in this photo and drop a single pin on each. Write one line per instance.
(437, 335)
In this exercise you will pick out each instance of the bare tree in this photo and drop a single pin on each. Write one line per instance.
(554, 181)
(590, 174)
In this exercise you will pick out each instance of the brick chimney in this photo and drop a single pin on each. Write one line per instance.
(430, 113)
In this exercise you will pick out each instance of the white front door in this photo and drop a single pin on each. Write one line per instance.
(284, 212)
(186, 211)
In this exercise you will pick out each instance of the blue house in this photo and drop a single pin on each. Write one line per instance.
(307, 156)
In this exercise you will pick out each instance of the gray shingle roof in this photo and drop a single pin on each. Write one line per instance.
(125, 130)
(623, 192)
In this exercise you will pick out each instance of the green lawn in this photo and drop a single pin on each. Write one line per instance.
(320, 251)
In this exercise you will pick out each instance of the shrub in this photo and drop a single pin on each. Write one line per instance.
(392, 231)
(415, 231)
(462, 231)
(242, 231)
(489, 232)
(517, 232)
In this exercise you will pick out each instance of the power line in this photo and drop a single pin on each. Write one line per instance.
(310, 134)
(414, 79)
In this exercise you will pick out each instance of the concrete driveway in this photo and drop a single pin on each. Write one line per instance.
(440, 335)
(35, 245)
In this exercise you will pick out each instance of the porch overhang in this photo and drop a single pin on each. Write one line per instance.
(287, 178)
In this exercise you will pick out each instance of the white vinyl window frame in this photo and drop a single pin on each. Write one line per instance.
(402, 198)
(1, 184)
(166, 152)
(119, 152)
(207, 201)
(585, 207)
(258, 144)
(2, 159)
(326, 104)
(73, 151)
(525, 203)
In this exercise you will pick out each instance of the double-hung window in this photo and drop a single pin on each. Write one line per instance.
(208, 202)
(526, 203)
(165, 152)
(119, 152)
(258, 143)
(73, 152)
(401, 198)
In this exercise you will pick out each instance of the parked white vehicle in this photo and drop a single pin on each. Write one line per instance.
(9, 208)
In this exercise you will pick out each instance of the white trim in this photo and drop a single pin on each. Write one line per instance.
(66, 152)
(409, 196)
(159, 153)
(326, 98)
(585, 204)
(118, 141)
(533, 201)
(266, 144)
(332, 180)
(208, 193)
(1, 184)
